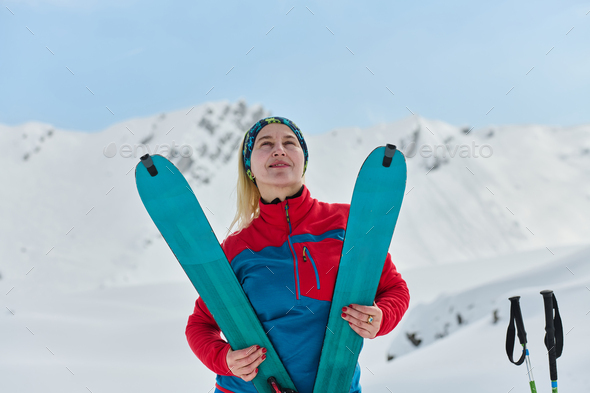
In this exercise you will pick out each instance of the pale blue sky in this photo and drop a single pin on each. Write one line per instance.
(451, 60)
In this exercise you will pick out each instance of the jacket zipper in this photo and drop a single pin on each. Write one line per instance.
(317, 276)
(297, 292)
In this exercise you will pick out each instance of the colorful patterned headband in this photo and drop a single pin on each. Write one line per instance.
(252, 133)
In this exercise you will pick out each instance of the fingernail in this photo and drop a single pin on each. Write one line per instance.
(343, 315)
(256, 369)
(343, 308)
(263, 350)
(263, 357)
(350, 305)
(257, 347)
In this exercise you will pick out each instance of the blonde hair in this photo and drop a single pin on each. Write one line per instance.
(248, 195)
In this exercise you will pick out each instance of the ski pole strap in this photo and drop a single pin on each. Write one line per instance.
(515, 318)
(553, 331)
(558, 329)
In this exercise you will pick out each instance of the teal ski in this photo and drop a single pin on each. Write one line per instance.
(375, 206)
(175, 210)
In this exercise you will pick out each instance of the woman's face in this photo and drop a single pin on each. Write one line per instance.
(277, 142)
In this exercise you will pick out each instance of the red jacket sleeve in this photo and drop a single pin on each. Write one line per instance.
(393, 297)
(204, 338)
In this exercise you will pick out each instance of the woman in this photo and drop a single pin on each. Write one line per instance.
(285, 255)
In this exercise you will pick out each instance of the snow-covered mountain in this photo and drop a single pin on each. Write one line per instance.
(71, 212)
(94, 298)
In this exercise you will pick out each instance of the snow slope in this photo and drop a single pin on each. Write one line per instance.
(122, 339)
(448, 313)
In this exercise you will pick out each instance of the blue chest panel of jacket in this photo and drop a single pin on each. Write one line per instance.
(294, 322)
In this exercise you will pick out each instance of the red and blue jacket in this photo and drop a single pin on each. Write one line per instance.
(287, 261)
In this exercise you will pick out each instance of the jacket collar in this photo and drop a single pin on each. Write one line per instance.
(274, 213)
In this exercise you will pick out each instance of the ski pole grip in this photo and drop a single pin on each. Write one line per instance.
(550, 332)
(515, 304)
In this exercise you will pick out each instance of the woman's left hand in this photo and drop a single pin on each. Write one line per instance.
(358, 316)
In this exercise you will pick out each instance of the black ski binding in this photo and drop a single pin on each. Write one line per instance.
(146, 160)
(276, 388)
(389, 152)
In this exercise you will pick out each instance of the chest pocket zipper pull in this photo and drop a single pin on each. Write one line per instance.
(317, 276)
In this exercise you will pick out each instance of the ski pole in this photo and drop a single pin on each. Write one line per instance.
(553, 334)
(516, 317)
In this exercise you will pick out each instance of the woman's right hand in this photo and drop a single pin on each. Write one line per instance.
(243, 363)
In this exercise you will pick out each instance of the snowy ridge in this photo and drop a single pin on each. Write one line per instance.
(74, 215)
(465, 207)
(426, 323)
(72, 200)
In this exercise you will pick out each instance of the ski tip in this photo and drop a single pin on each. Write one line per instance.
(388, 156)
(147, 161)
(546, 292)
